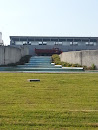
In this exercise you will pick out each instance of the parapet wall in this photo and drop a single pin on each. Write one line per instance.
(85, 57)
(9, 54)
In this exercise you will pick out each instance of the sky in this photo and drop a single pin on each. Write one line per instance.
(48, 18)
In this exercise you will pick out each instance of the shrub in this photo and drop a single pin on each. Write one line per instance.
(24, 60)
(93, 67)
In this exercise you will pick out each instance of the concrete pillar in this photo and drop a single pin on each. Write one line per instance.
(42, 41)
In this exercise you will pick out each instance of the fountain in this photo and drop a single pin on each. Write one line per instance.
(40, 64)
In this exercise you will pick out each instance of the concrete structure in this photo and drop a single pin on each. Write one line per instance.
(64, 43)
(85, 57)
(1, 55)
(10, 54)
(0, 37)
(1, 41)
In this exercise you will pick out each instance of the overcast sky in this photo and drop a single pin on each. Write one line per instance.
(48, 18)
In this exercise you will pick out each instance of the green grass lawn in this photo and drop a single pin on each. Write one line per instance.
(58, 101)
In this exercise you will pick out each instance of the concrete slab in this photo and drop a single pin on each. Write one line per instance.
(33, 80)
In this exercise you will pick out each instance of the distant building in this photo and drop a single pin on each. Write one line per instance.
(65, 44)
(1, 41)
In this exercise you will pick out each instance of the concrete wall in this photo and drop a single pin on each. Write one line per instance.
(12, 55)
(71, 57)
(1, 55)
(90, 57)
(85, 57)
(24, 50)
(9, 54)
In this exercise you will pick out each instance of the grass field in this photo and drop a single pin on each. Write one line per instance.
(58, 101)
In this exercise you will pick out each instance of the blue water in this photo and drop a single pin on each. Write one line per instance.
(38, 64)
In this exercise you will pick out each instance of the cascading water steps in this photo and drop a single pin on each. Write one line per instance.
(39, 64)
